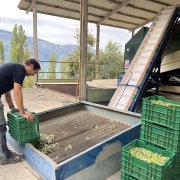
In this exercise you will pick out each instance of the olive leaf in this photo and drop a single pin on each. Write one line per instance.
(46, 143)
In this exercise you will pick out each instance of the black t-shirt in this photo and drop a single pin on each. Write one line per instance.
(10, 73)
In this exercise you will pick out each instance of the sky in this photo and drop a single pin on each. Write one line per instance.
(55, 29)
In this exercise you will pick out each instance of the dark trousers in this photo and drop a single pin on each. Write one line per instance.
(4, 151)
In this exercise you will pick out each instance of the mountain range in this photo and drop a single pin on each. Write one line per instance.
(45, 48)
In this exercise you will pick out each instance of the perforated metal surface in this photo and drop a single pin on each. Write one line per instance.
(78, 131)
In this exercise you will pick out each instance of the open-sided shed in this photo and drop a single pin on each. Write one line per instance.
(126, 14)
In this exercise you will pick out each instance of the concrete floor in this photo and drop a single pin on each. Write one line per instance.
(116, 176)
(18, 171)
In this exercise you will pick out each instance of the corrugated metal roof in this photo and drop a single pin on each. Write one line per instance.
(133, 15)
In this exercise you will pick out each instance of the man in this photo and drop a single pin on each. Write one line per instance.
(11, 77)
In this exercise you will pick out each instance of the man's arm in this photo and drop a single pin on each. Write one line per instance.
(18, 97)
(9, 99)
(19, 102)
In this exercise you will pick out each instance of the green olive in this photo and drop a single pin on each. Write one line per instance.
(148, 156)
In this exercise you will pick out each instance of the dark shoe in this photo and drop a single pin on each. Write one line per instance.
(14, 159)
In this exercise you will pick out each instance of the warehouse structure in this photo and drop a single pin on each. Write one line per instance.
(126, 14)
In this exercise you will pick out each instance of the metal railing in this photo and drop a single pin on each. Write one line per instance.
(69, 71)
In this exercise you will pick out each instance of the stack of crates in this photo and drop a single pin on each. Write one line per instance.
(21, 129)
(160, 133)
(161, 126)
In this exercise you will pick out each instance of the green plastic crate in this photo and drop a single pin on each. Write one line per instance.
(126, 176)
(21, 129)
(177, 161)
(142, 170)
(164, 137)
(159, 114)
(175, 176)
(25, 135)
(176, 166)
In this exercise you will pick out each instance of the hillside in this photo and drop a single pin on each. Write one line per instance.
(45, 48)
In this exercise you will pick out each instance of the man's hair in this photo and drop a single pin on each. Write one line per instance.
(34, 62)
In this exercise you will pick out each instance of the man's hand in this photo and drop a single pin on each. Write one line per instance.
(28, 116)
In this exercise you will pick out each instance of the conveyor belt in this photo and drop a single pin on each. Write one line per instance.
(133, 79)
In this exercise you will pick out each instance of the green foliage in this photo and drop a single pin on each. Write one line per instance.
(64, 67)
(111, 61)
(52, 67)
(73, 59)
(73, 64)
(19, 51)
(18, 44)
(1, 53)
(46, 143)
(14, 42)
(90, 38)
(41, 75)
(21, 43)
(28, 82)
(26, 53)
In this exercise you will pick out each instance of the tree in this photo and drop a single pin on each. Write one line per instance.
(73, 59)
(26, 53)
(14, 42)
(52, 67)
(41, 74)
(64, 68)
(29, 80)
(1, 53)
(18, 44)
(21, 43)
(111, 61)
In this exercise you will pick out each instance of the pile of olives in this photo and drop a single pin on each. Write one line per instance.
(148, 156)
